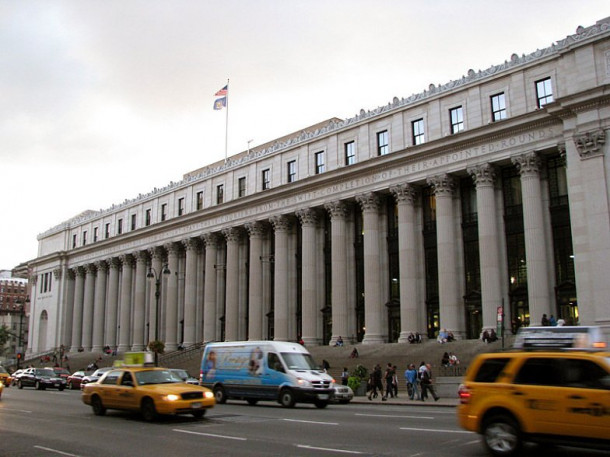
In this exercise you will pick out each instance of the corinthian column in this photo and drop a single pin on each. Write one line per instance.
(338, 212)
(112, 301)
(191, 245)
(171, 314)
(373, 302)
(538, 292)
(309, 221)
(232, 235)
(256, 231)
(281, 225)
(139, 305)
(88, 305)
(450, 309)
(99, 302)
(77, 315)
(484, 177)
(125, 314)
(410, 313)
(210, 287)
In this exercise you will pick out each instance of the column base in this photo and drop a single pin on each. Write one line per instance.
(373, 339)
(97, 349)
(137, 347)
(123, 348)
(312, 341)
(171, 346)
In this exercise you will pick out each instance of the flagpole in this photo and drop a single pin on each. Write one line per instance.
(227, 124)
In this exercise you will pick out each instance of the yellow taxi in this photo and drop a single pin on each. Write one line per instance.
(554, 388)
(149, 390)
(1, 389)
(5, 377)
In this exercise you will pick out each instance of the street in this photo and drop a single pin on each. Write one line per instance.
(52, 423)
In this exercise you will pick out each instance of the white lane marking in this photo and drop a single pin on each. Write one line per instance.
(434, 430)
(237, 438)
(399, 416)
(16, 410)
(48, 449)
(311, 422)
(343, 451)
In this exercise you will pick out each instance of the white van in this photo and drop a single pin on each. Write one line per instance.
(264, 370)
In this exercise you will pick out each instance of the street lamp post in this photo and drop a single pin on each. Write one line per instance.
(153, 274)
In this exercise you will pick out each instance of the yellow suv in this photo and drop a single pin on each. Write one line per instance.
(554, 388)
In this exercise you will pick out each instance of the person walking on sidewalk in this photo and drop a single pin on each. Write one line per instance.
(412, 382)
(426, 383)
(389, 388)
(376, 383)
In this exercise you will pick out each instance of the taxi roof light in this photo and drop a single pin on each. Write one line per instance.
(560, 338)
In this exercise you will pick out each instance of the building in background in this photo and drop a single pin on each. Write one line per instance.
(481, 201)
(14, 311)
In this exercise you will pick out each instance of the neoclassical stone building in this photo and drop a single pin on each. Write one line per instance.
(430, 212)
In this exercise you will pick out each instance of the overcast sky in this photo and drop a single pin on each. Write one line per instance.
(103, 100)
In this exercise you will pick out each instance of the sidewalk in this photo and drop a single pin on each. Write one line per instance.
(404, 400)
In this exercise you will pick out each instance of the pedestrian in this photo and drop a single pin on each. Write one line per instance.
(545, 321)
(426, 382)
(395, 380)
(420, 377)
(344, 376)
(375, 382)
(412, 382)
(325, 365)
(388, 376)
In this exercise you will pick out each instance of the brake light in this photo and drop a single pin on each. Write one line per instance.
(464, 394)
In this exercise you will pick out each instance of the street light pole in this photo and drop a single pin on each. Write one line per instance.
(153, 274)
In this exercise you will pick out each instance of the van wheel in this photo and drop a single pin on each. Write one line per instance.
(287, 398)
(320, 404)
(221, 396)
(252, 401)
(502, 436)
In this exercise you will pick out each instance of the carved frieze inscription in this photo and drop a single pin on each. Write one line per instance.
(432, 165)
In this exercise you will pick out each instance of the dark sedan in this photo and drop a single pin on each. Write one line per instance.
(41, 378)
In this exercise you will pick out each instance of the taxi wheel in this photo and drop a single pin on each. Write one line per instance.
(149, 412)
(502, 436)
(287, 398)
(97, 406)
(221, 396)
(198, 414)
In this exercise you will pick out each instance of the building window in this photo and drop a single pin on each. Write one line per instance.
(292, 171)
(498, 107)
(350, 153)
(456, 115)
(199, 200)
(418, 132)
(95, 233)
(220, 194)
(241, 187)
(84, 237)
(180, 206)
(319, 162)
(382, 143)
(107, 231)
(544, 92)
(73, 241)
(163, 212)
(147, 219)
(119, 227)
(266, 183)
(133, 221)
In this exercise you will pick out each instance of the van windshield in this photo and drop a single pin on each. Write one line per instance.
(299, 361)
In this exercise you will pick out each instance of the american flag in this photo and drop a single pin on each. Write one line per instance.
(222, 91)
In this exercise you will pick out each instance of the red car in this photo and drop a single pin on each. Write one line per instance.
(75, 379)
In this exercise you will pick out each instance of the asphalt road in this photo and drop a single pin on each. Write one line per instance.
(51, 423)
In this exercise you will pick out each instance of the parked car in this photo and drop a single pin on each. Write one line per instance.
(16, 375)
(41, 378)
(184, 376)
(74, 380)
(60, 371)
(93, 377)
(342, 394)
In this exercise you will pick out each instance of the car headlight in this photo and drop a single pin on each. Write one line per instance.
(303, 382)
(171, 397)
(209, 394)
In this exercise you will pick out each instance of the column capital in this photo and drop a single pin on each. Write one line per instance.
(101, 265)
(309, 217)
(232, 234)
(70, 274)
(156, 253)
(57, 273)
(337, 209)
(281, 223)
(191, 244)
(404, 193)
(527, 164)
(113, 263)
(172, 248)
(141, 256)
(256, 229)
(484, 174)
(368, 201)
(210, 239)
(90, 269)
(443, 185)
(589, 144)
(126, 260)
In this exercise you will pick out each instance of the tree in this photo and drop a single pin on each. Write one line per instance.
(4, 337)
